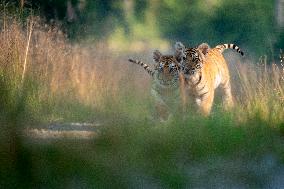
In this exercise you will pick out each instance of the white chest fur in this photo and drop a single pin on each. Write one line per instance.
(218, 79)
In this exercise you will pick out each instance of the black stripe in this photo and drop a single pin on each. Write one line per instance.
(131, 60)
(145, 66)
(202, 87)
(202, 95)
(199, 80)
(234, 46)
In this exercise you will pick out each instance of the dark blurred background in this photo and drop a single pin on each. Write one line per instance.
(255, 25)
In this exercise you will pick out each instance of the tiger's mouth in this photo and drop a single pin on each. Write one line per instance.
(191, 71)
(168, 83)
(167, 79)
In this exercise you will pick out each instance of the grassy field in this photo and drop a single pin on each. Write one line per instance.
(45, 79)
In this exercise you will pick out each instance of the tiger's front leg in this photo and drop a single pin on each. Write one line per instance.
(161, 110)
(227, 96)
(205, 102)
(183, 94)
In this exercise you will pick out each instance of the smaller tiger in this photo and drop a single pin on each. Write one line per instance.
(165, 87)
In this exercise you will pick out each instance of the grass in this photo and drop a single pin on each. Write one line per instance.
(66, 82)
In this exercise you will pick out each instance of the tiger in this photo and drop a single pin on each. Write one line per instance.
(165, 86)
(204, 70)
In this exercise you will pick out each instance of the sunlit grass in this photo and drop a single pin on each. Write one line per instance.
(62, 73)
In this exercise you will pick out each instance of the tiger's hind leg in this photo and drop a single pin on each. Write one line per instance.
(227, 96)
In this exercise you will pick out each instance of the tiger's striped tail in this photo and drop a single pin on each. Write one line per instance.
(221, 48)
(145, 66)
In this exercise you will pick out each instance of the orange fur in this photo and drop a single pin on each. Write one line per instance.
(204, 70)
(216, 73)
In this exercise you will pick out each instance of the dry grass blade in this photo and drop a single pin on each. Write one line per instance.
(27, 50)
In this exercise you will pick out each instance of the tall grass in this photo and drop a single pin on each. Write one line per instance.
(59, 70)
(98, 78)
(259, 90)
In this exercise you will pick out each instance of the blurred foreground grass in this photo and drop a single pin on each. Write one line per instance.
(66, 82)
(196, 152)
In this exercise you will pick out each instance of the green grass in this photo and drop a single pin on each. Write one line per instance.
(130, 152)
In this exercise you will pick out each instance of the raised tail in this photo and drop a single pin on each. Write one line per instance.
(221, 48)
(145, 66)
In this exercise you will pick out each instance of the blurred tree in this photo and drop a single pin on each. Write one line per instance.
(250, 24)
(81, 17)
(279, 6)
(247, 23)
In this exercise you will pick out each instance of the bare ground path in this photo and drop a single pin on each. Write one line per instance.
(64, 130)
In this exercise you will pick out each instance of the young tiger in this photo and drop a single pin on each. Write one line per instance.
(165, 84)
(204, 70)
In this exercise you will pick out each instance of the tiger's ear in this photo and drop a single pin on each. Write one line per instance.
(179, 54)
(204, 48)
(179, 46)
(157, 55)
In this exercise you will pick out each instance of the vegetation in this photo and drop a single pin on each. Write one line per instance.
(135, 22)
(46, 79)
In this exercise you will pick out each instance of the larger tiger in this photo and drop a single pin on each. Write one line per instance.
(204, 70)
(165, 86)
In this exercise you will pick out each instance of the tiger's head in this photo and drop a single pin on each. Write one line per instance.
(191, 59)
(167, 66)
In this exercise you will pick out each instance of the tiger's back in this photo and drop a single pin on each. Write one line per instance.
(215, 69)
